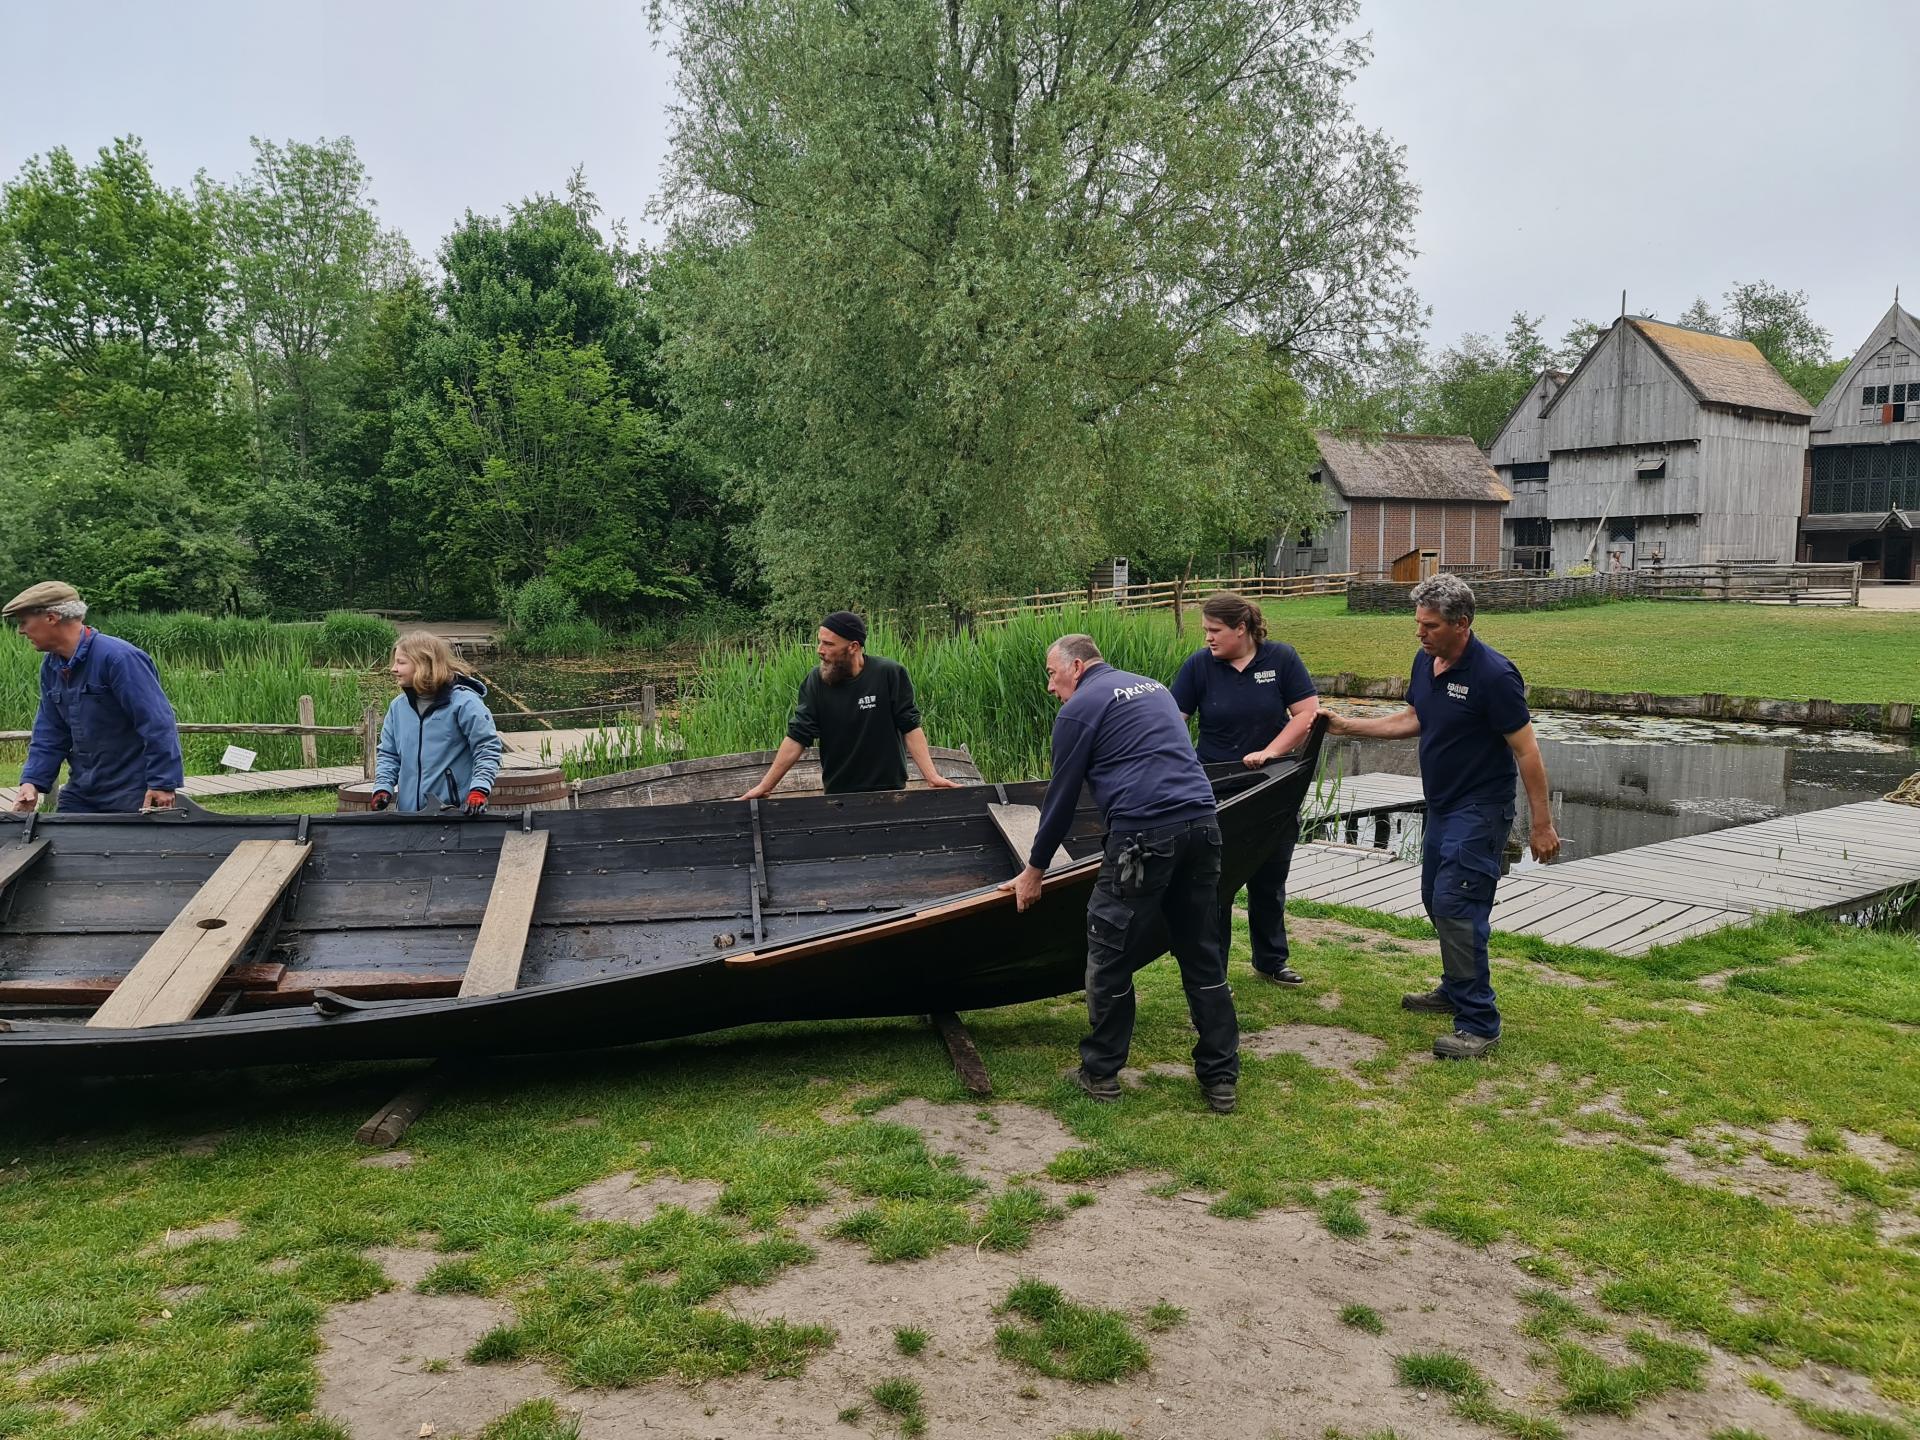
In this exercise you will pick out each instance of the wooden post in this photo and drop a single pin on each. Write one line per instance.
(649, 715)
(369, 740)
(309, 748)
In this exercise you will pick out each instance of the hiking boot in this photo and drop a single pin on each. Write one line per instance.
(1285, 975)
(1221, 1096)
(1428, 1002)
(1462, 1046)
(1101, 1087)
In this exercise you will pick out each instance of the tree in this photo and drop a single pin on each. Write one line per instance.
(542, 466)
(308, 260)
(1777, 323)
(964, 279)
(110, 290)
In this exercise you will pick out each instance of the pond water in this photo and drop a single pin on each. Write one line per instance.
(1622, 781)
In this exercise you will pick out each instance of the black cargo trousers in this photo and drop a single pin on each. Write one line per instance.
(1159, 890)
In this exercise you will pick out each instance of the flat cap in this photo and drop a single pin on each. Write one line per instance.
(39, 597)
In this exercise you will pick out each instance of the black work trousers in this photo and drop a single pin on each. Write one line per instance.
(1266, 906)
(1159, 890)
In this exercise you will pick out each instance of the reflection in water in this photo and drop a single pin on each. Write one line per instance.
(1619, 781)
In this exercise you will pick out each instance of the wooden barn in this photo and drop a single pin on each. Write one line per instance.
(1863, 475)
(1394, 496)
(1519, 456)
(1666, 446)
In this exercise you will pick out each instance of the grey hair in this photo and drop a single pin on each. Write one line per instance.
(1448, 595)
(68, 610)
(1077, 647)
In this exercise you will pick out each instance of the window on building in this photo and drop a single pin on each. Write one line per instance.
(1652, 469)
(1531, 470)
(1623, 528)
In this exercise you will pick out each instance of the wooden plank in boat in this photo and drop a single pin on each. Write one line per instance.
(495, 966)
(181, 967)
(92, 989)
(1019, 824)
(16, 860)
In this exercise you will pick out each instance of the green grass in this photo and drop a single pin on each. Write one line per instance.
(93, 1176)
(1066, 1341)
(1162, 1316)
(1469, 1394)
(535, 1420)
(1594, 1387)
(901, 1399)
(1363, 1317)
(909, 1341)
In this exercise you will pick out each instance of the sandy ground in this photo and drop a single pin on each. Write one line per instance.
(1262, 1353)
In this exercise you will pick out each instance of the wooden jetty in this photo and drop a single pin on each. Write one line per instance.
(1835, 862)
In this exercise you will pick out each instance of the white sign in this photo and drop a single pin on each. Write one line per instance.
(237, 759)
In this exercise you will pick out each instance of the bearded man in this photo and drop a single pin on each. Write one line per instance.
(860, 708)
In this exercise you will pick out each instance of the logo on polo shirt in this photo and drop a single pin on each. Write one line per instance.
(867, 702)
(1456, 691)
(1265, 677)
(1134, 692)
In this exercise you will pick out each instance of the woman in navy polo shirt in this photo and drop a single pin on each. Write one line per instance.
(1256, 702)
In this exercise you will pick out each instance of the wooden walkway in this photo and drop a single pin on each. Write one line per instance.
(1834, 861)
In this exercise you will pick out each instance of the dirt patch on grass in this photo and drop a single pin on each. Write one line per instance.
(388, 1160)
(619, 1198)
(1330, 1001)
(180, 1239)
(1330, 1047)
(406, 1265)
(1013, 1140)
(1339, 932)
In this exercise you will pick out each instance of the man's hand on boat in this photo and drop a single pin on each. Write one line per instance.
(1025, 886)
(157, 800)
(26, 799)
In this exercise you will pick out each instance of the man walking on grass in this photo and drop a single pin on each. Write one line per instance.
(1123, 737)
(1468, 705)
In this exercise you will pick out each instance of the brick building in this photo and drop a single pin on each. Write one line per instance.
(1388, 495)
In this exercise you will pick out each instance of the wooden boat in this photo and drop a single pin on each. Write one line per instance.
(145, 943)
(721, 777)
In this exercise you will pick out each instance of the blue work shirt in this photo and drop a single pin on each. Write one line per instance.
(1122, 736)
(1241, 710)
(1465, 717)
(104, 714)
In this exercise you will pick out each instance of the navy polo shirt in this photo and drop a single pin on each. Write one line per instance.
(1465, 717)
(1241, 710)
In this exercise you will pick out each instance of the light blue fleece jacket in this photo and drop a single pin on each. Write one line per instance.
(431, 760)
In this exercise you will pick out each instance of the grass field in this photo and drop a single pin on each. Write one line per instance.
(1568, 1154)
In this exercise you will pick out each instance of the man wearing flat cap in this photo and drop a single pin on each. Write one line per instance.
(102, 712)
(860, 708)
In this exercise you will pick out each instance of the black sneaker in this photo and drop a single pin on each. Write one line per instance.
(1428, 1002)
(1462, 1046)
(1101, 1088)
(1285, 975)
(1221, 1096)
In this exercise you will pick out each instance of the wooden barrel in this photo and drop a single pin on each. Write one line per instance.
(513, 790)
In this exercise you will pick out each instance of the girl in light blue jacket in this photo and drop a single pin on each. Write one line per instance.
(438, 748)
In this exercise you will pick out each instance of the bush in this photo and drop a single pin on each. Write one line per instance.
(540, 604)
(565, 637)
(357, 641)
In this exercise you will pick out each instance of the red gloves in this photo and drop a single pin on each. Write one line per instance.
(382, 799)
(476, 801)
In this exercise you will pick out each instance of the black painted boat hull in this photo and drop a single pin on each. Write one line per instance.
(875, 905)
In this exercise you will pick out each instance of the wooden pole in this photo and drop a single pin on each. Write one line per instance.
(649, 713)
(967, 1063)
(369, 740)
(309, 747)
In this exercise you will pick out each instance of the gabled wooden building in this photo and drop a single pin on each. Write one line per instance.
(1519, 456)
(1388, 495)
(1665, 445)
(1863, 473)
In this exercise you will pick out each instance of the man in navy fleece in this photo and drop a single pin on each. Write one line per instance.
(1123, 737)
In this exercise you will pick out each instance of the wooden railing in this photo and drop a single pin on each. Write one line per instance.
(1755, 582)
(1160, 595)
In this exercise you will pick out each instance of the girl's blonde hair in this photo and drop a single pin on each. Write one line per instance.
(433, 664)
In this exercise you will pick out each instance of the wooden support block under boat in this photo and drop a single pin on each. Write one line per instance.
(967, 1063)
(1019, 824)
(495, 965)
(16, 860)
(181, 967)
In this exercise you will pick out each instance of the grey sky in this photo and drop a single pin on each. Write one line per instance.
(1670, 147)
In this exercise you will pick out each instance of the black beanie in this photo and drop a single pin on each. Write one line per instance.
(847, 625)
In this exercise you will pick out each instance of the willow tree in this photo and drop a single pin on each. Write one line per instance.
(969, 292)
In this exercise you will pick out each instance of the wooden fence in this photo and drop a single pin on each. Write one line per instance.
(1755, 582)
(1160, 595)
